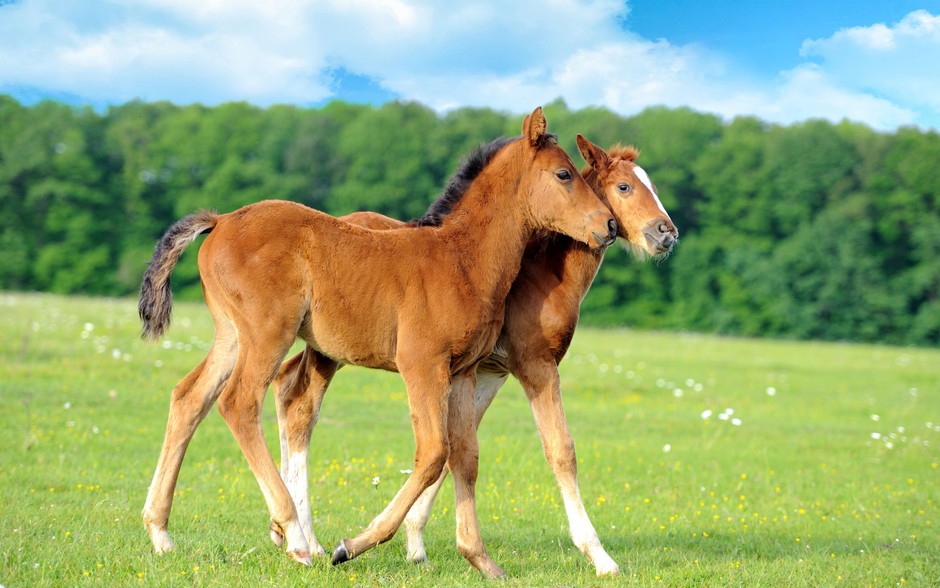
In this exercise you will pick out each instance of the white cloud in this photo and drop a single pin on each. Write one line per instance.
(808, 92)
(899, 64)
(163, 49)
(506, 55)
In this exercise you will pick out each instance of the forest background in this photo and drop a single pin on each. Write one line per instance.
(809, 231)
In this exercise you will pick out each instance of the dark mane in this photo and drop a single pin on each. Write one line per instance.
(470, 169)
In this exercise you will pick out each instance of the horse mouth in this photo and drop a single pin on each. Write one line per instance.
(660, 244)
(603, 240)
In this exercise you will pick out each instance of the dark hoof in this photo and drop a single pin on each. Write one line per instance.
(340, 554)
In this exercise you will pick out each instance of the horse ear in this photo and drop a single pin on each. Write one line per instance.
(534, 126)
(592, 154)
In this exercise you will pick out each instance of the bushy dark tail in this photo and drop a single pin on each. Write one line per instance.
(156, 299)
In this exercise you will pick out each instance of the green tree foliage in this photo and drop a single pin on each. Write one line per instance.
(390, 169)
(812, 230)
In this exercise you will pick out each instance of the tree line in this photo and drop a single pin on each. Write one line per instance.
(812, 230)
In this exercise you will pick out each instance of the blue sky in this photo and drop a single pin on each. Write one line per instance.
(875, 62)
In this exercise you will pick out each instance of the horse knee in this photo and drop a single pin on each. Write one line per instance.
(430, 465)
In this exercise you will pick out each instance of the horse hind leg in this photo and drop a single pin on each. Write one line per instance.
(417, 520)
(240, 406)
(190, 401)
(283, 385)
(299, 388)
(464, 464)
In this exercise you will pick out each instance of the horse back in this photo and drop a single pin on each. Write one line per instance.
(352, 293)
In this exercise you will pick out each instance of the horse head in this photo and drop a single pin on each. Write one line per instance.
(557, 196)
(632, 197)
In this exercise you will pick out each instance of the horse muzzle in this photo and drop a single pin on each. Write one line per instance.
(611, 236)
(661, 235)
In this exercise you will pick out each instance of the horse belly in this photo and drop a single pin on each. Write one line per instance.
(475, 345)
(349, 339)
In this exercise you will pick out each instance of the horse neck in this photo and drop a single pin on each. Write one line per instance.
(575, 264)
(491, 233)
(583, 264)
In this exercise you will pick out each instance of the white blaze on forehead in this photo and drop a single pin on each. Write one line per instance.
(640, 173)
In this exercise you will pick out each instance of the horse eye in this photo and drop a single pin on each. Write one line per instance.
(624, 187)
(563, 175)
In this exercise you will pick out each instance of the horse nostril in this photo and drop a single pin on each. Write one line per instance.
(612, 228)
(664, 229)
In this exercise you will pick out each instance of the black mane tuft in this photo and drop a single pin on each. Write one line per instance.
(470, 169)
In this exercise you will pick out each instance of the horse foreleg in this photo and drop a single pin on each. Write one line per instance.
(488, 384)
(299, 388)
(428, 387)
(541, 383)
(240, 406)
(190, 402)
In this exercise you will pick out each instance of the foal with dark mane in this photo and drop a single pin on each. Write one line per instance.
(541, 315)
(428, 302)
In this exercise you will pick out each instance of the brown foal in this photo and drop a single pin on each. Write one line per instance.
(541, 316)
(426, 301)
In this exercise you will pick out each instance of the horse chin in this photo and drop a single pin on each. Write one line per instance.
(647, 251)
(639, 252)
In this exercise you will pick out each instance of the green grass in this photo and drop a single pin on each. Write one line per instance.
(800, 493)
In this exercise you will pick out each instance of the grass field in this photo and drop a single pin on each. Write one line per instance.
(703, 461)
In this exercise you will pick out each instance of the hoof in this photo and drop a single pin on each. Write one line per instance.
(605, 565)
(418, 559)
(161, 541)
(340, 554)
(493, 572)
(301, 557)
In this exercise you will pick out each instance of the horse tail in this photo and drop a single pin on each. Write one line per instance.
(156, 298)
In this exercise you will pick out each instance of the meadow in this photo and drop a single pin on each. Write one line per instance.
(703, 461)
